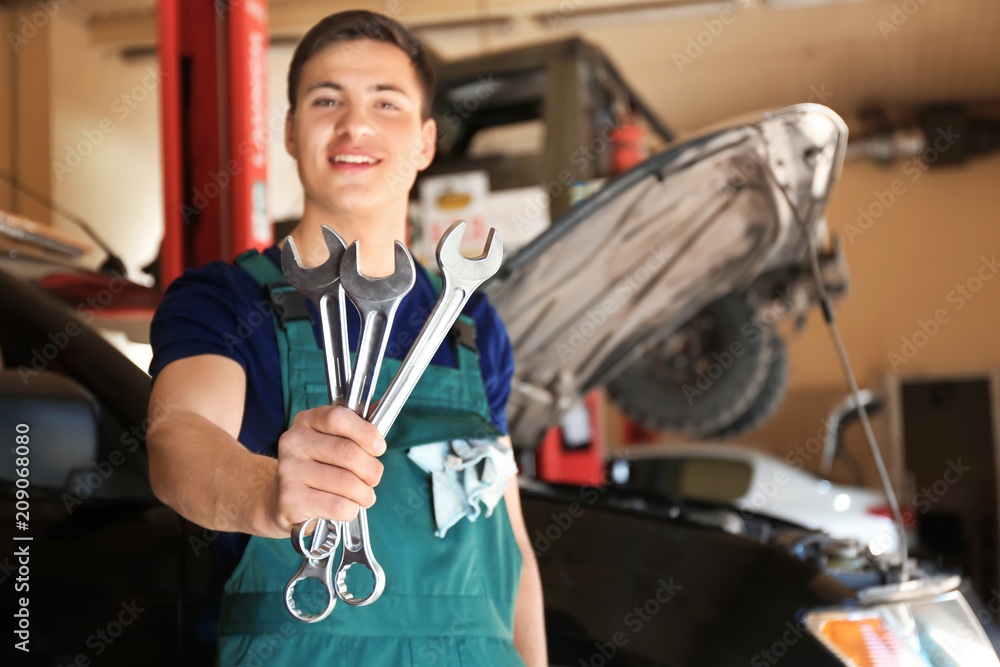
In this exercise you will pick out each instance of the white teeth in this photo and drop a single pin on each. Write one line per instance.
(354, 159)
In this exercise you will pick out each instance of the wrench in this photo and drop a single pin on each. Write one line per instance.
(321, 284)
(318, 568)
(376, 300)
(462, 276)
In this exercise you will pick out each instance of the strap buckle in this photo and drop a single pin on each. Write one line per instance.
(464, 333)
(288, 303)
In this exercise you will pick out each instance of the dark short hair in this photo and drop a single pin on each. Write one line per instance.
(356, 25)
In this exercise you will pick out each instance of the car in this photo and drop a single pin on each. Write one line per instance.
(667, 284)
(756, 482)
(697, 584)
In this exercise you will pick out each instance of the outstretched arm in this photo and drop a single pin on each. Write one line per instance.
(326, 463)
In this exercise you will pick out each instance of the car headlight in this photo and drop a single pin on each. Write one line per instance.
(926, 623)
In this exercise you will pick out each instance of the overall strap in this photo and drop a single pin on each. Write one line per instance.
(293, 324)
(463, 332)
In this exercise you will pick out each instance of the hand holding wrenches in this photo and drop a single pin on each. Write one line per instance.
(461, 278)
(377, 301)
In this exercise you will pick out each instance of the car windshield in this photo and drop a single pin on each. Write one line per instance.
(696, 478)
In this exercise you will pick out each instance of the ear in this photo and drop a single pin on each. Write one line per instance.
(290, 144)
(428, 144)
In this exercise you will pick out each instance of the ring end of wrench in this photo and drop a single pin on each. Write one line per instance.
(309, 570)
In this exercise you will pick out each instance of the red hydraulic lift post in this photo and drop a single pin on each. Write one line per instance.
(168, 49)
(213, 56)
(248, 43)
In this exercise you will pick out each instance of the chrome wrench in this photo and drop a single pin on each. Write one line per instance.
(462, 276)
(321, 284)
(376, 300)
(314, 567)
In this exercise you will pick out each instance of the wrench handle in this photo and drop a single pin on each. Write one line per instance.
(336, 348)
(447, 309)
(371, 349)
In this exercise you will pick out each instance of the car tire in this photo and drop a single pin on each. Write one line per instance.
(770, 397)
(699, 386)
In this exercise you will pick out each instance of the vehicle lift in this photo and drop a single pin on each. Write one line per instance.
(213, 57)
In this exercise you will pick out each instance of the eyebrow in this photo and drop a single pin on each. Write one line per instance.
(378, 88)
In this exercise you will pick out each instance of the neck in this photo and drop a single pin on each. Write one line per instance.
(375, 235)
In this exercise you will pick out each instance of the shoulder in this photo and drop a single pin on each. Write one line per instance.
(206, 310)
(490, 330)
(217, 281)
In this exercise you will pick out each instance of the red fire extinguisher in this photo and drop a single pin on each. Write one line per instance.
(628, 142)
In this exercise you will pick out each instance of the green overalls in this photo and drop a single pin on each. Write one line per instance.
(447, 601)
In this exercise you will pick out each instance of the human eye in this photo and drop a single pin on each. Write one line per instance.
(386, 105)
(325, 102)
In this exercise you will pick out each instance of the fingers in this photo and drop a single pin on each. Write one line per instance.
(342, 482)
(327, 466)
(328, 506)
(340, 421)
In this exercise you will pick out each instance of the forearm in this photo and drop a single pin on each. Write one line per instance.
(208, 477)
(529, 614)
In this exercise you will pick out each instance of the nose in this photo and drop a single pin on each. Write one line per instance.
(355, 122)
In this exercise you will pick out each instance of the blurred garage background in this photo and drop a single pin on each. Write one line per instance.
(80, 91)
(80, 123)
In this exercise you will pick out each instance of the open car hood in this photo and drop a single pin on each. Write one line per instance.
(631, 264)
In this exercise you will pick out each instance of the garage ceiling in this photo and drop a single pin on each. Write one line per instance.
(692, 62)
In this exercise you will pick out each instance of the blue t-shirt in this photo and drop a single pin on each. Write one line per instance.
(221, 309)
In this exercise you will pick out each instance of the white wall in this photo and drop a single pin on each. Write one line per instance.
(106, 158)
(105, 143)
(284, 190)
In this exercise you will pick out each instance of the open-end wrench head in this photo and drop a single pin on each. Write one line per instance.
(359, 286)
(477, 269)
(316, 277)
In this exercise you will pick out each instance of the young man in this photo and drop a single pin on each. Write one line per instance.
(231, 458)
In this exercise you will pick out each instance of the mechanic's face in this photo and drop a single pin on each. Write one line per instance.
(357, 132)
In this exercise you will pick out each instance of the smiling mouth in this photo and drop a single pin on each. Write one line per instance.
(353, 159)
